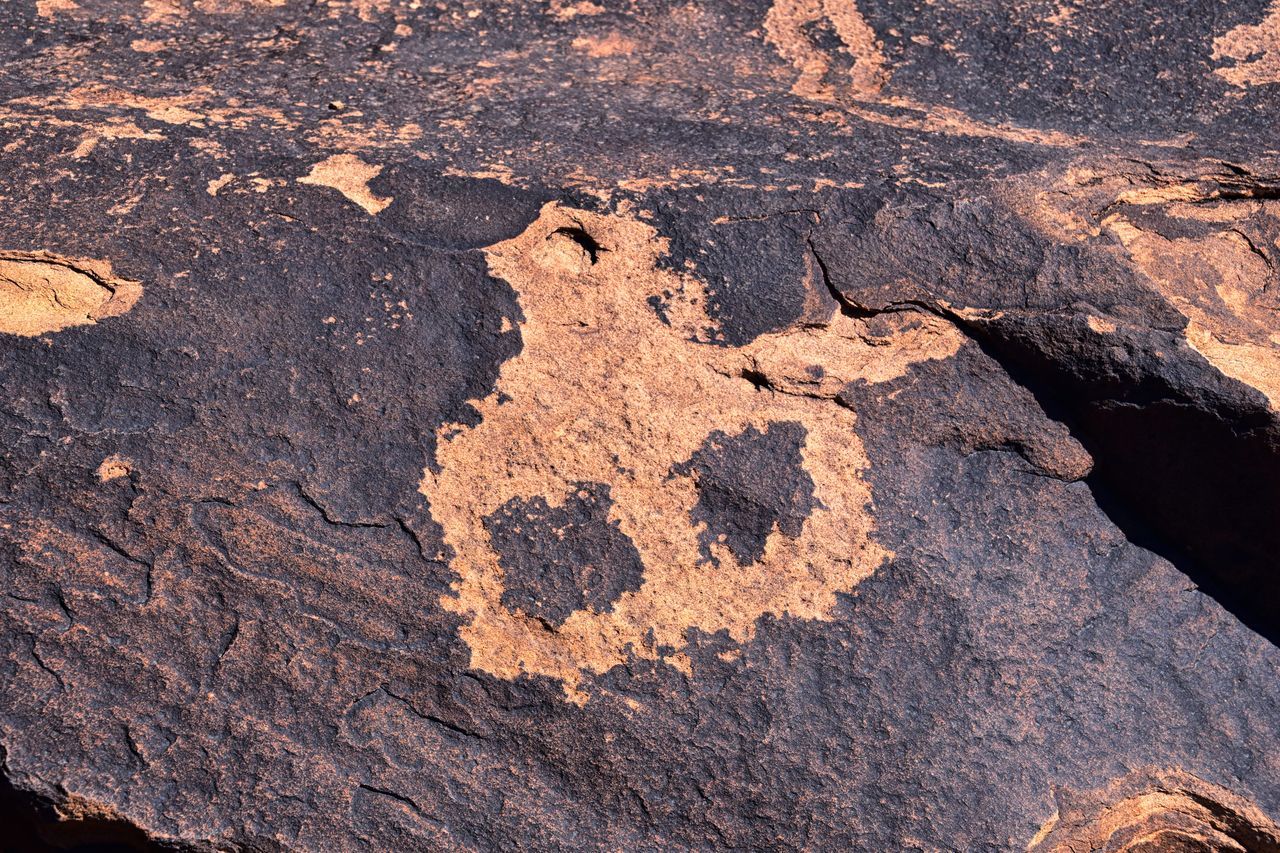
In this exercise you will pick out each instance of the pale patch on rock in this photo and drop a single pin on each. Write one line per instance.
(936, 118)
(607, 390)
(565, 11)
(1218, 282)
(860, 90)
(159, 11)
(1255, 49)
(1255, 365)
(349, 175)
(495, 172)
(112, 130)
(114, 467)
(148, 45)
(218, 183)
(50, 8)
(1148, 811)
(198, 107)
(784, 27)
(1202, 259)
(231, 7)
(42, 293)
(170, 110)
(599, 47)
(1101, 325)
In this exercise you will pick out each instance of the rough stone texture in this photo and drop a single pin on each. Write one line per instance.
(627, 424)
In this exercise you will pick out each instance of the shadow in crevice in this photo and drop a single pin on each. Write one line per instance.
(1185, 484)
(1199, 487)
(30, 825)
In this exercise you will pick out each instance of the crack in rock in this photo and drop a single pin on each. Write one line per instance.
(42, 293)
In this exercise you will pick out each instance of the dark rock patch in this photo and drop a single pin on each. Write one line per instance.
(750, 484)
(558, 559)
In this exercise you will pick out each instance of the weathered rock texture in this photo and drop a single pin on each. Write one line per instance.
(642, 425)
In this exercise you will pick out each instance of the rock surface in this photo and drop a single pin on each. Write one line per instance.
(624, 424)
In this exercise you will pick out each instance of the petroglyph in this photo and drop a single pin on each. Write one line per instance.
(1255, 49)
(349, 175)
(42, 293)
(1205, 236)
(1217, 276)
(114, 467)
(608, 393)
(859, 89)
(785, 26)
(50, 8)
(1151, 811)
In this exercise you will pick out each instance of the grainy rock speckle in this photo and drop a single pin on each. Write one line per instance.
(640, 424)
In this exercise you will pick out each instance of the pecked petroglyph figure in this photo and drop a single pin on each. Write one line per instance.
(616, 410)
(42, 293)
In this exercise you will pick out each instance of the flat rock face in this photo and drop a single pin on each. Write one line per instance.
(641, 425)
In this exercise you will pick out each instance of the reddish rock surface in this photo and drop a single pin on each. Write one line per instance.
(640, 425)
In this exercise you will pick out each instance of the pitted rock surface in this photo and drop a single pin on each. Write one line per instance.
(602, 424)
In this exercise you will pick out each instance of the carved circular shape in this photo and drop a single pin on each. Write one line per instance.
(1166, 812)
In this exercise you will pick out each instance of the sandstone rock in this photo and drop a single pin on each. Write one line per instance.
(633, 424)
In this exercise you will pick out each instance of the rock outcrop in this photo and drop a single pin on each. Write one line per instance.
(633, 424)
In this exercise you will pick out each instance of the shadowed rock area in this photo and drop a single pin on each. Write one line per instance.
(556, 561)
(749, 485)
(629, 424)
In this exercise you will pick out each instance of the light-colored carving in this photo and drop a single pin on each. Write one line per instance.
(605, 392)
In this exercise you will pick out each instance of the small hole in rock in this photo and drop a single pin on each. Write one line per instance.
(583, 239)
(756, 378)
